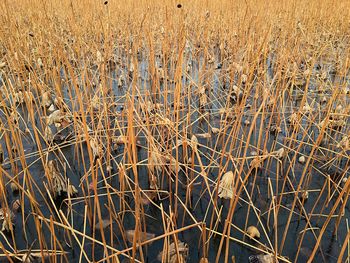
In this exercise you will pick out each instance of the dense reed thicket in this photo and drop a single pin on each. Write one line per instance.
(164, 131)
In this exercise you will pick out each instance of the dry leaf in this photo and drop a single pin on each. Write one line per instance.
(253, 232)
(226, 185)
(194, 142)
(143, 236)
(203, 135)
(170, 255)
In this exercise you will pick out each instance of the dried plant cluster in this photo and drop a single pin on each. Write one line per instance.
(160, 131)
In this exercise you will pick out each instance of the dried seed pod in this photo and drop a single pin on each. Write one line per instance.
(253, 232)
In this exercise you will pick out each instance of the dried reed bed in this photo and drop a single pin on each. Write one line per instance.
(176, 132)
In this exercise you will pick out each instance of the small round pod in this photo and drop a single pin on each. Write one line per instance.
(302, 159)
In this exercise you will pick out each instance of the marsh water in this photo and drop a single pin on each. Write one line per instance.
(272, 172)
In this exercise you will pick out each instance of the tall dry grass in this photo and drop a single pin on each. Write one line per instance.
(197, 130)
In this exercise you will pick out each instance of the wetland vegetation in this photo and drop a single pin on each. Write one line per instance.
(174, 131)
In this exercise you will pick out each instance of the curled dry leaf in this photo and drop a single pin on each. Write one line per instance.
(55, 117)
(156, 161)
(194, 142)
(262, 258)
(121, 139)
(105, 223)
(18, 97)
(147, 196)
(226, 185)
(16, 206)
(143, 236)
(253, 232)
(344, 143)
(307, 108)
(51, 108)
(170, 254)
(172, 163)
(72, 191)
(95, 147)
(28, 258)
(203, 135)
(99, 58)
(58, 183)
(257, 162)
(121, 81)
(280, 153)
(293, 119)
(96, 101)
(6, 219)
(48, 135)
(203, 100)
(215, 130)
(46, 100)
